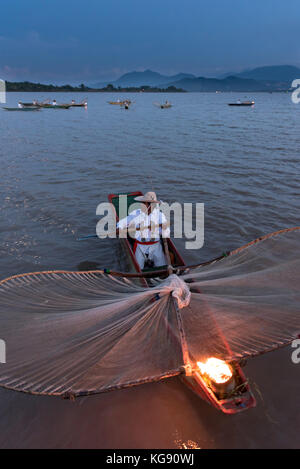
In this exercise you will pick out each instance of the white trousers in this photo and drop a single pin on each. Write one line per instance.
(154, 252)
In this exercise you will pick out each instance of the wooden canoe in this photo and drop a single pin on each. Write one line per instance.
(36, 108)
(120, 103)
(28, 104)
(241, 397)
(78, 104)
(133, 265)
(55, 106)
(245, 103)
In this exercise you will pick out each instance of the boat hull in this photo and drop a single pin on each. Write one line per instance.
(21, 108)
(55, 106)
(242, 104)
(241, 400)
(119, 103)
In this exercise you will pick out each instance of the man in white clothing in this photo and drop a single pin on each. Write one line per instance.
(149, 225)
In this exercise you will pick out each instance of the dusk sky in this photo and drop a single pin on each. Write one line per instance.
(74, 41)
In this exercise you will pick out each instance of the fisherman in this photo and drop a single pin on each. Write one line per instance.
(73, 101)
(54, 103)
(150, 225)
(20, 104)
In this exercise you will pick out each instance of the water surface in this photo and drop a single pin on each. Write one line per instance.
(58, 165)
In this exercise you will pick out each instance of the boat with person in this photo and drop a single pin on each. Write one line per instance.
(120, 102)
(166, 105)
(219, 383)
(128, 243)
(54, 106)
(33, 103)
(45, 104)
(126, 104)
(109, 330)
(27, 105)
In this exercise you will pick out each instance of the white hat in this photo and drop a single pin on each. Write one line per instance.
(149, 197)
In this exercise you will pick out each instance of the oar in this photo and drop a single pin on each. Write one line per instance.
(167, 254)
(83, 238)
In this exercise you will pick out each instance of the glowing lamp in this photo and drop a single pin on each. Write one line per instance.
(216, 370)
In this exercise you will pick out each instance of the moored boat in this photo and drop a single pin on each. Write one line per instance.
(82, 104)
(33, 104)
(55, 106)
(120, 103)
(231, 394)
(32, 108)
(243, 103)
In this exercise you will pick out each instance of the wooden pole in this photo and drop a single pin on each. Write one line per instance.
(183, 342)
(167, 254)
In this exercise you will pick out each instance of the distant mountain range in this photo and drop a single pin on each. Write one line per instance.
(270, 78)
(278, 73)
(225, 84)
(146, 78)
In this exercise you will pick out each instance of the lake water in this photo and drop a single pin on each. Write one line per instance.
(58, 165)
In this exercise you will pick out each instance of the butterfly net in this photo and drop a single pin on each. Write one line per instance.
(80, 333)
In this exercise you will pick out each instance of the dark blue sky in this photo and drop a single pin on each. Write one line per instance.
(76, 41)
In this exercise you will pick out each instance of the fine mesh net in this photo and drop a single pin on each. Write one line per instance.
(78, 333)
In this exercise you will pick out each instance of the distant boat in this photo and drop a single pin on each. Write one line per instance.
(126, 104)
(28, 104)
(47, 105)
(54, 106)
(243, 103)
(32, 108)
(165, 105)
(120, 103)
(82, 104)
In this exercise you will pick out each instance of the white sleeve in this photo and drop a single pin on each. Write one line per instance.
(124, 223)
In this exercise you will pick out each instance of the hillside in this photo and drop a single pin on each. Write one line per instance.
(146, 78)
(277, 73)
(214, 84)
